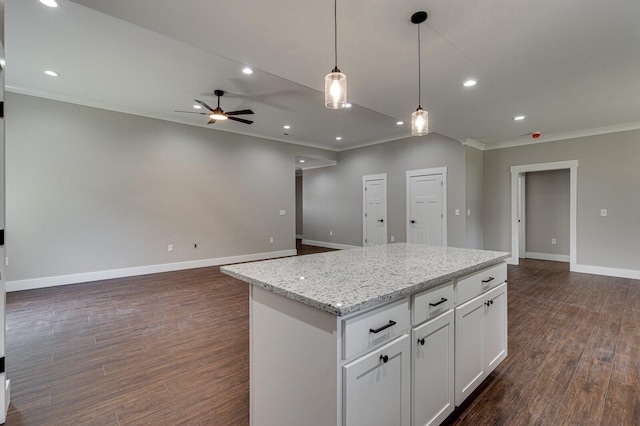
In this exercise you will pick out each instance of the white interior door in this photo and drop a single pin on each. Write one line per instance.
(426, 222)
(375, 210)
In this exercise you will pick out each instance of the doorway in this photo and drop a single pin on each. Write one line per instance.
(517, 197)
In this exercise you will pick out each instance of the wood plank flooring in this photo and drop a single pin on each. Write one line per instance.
(172, 348)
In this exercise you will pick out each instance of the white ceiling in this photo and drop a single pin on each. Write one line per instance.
(568, 66)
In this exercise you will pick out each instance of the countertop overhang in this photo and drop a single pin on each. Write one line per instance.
(347, 281)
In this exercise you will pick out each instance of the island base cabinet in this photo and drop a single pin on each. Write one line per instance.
(480, 339)
(433, 357)
(377, 386)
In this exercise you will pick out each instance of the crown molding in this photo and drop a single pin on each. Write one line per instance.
(568, 135)
(473, 144)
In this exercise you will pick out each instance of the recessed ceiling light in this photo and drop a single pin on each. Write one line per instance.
(286, 126)
(518, 117)
(50, 3)
(197, 107)
(338, 138)
(51, 73)
(470, 83)
(399, 123)
(301, 161)
(348, 105)
(247, 70)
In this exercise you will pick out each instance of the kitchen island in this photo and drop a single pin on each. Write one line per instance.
(366, 336)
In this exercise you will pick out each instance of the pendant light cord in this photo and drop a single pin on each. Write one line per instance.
(335, 31)
(419, 70)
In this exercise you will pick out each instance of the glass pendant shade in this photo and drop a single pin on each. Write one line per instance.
(335, 90)
(419, 122)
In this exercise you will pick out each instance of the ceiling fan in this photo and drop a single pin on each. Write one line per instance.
(216, 114)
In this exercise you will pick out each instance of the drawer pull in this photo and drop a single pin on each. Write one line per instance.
(384, 358)
(442, 300)
(384, 327)
(489, 303)
(421, 341)
(489, 280)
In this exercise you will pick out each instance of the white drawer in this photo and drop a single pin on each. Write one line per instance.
(432, 302)
(472, 285)
(373, 328)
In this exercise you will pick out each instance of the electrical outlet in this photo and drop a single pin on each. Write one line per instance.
(553, 241)
(330, 233)
(603, 212)
(393, 239)
(170, 247)
(282, 212)
(457, 212)
(271, 239)
(468, 212)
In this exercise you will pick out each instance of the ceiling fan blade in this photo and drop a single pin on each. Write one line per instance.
(211, 121)
(194, 112)
(240, 112)
(242, 120)
(204, 105)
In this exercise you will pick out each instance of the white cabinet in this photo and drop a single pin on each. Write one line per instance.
(480, 339)
(377, 386)
(432, 372)
(408, 361)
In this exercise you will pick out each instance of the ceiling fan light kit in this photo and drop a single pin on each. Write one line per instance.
(217, 114)
(335, 83)
(419, 118)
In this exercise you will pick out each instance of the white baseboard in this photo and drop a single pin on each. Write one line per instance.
(33, 283)
(548, 256)
(328, 245)
(609, 272)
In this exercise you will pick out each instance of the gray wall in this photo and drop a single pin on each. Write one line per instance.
(608, 177)
(299, 198)
(333, 196)
(92, 190)
(474, 177)
(547, 212)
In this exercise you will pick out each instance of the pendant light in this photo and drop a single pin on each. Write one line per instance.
(335, 83)
(419, 118)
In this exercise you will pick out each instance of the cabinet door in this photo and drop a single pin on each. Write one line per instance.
(495, 343)
(377, 386)
(469, 354)
(433, 349)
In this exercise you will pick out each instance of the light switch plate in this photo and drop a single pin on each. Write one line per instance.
(282, 212)
(603, 212)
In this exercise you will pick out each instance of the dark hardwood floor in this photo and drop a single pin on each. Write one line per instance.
(172, 348)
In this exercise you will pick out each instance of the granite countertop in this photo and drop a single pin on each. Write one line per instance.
(347, 281)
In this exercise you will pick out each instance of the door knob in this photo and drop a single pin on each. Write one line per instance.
(384, 358)
(413, 221)
(380, 220)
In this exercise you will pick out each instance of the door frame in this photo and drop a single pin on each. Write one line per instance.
(365, 179)
(516, 189)
(426, 172)
(522, 214)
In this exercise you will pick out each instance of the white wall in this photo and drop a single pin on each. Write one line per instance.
(608, 177)
(92, 190)
(333, 196)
